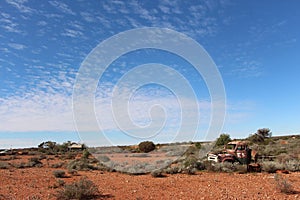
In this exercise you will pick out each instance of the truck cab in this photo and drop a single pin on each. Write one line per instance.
(236, 151)
(240, 151)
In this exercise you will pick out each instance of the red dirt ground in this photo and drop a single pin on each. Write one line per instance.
(37, 183)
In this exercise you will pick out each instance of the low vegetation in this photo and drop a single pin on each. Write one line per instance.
(283, 184)
(4, 165)
(157, 173)
(82, 190)
(146, 146)
(59, 173)
(277, 154)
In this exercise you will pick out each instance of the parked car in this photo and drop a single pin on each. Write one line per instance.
(3, 152)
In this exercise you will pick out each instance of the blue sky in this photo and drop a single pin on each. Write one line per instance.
(254, 44)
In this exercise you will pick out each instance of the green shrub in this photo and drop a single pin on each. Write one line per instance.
(193, 162)
(146, 146)
(82, 190)
(209, 165)
(198, 145)
(60, 182)
(191, 150)
(173, 170)
(42, 157)
(292, 165)
(271, 166)
(57, 165)
(283, 185)
(223, 139)
(12, 157)
(228, 167)
(69, 155)
(34, 162)
(157, 173)
(19, 165)
(241, 169)
(85, 154)
(80, 165)
(73, 172)
(59, 173)
(224, 167)
(4, 165)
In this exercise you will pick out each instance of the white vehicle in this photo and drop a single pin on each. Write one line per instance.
(3, 151)
(212, 157)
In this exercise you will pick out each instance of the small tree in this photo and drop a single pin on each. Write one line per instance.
(146, 146)
(260, 135)
(264, 132)
(254, 138)
(223, 139)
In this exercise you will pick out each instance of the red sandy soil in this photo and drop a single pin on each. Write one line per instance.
(37, 183)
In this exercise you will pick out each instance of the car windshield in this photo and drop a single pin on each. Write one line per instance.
(242, 147)
(231, 146)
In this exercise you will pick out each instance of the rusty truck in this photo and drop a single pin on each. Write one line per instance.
(236, 152)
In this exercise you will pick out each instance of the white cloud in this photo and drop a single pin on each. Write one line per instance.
(72, 33)
(8, 24)
(42, 23)
(87, 16)
(39, 111)
(246, 69)
(17, 46)
(62, 7)
(20, 5)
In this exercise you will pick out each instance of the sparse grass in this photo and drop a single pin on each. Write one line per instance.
(34, 197)
(42, 157)
(283, 184)
(82, 190)
(157, 173)
(193, 162)
(140, 155)
(189, 170)
(34, 162)
(19, 165)
(59, 183)
(173, 170)
(225, 167)
(271, 166)
(292, 165)
(103, 158)
(73, 172)
(59, 173)
(4, 165)
(12, 157)
(241, 169)
(69, 156)
(81, 164)
(57, 165)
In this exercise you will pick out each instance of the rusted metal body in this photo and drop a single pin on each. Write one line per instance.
(236, 152)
